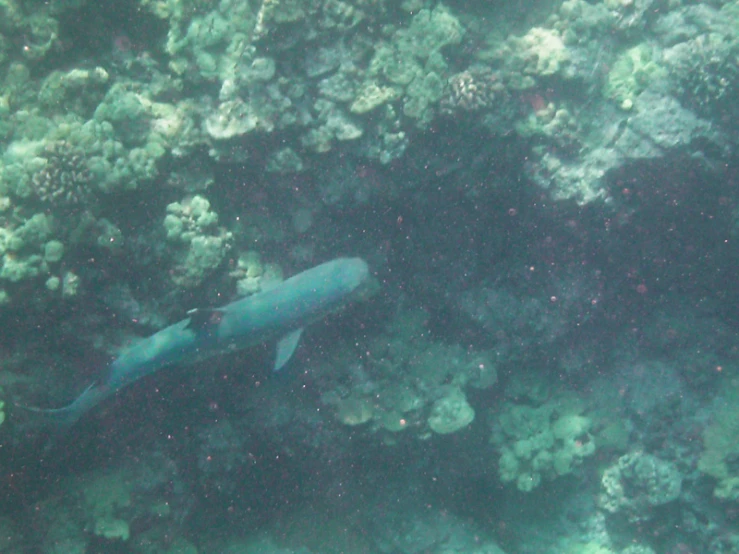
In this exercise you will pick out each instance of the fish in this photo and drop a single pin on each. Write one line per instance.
(279, 313)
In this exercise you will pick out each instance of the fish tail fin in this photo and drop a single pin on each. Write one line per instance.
(61, 419)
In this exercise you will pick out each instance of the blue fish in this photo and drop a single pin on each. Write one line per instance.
(276, 314)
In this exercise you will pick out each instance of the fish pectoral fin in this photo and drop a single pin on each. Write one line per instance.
(286, 347)
(201, 319)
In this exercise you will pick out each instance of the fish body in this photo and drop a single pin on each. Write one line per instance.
(279, 313)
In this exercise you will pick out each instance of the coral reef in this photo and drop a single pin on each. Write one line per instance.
(108, 506)
(631, 73)
(542, 442)
(411, 382)
(200, 244)
(720, 446)
(450, 413)
(65, 179)
(637, 484)
(546, 193)
(471, 90)
(412, 65)
(252, 275)
(703, 66)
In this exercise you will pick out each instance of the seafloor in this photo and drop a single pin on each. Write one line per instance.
(547, 196)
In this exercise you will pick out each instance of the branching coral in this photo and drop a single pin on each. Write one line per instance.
(471, 90)
(65, 179)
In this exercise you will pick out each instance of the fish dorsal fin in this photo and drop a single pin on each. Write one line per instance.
(201, 319)
(286, 347)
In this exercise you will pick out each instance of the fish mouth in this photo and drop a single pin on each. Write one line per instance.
(365, 284)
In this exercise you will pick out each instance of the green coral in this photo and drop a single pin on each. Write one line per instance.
(637, 483)
(234, 118)
(552, 125)
(36, 23)
(198, 39)
(106, 507)
(540, 52)
(252, 275)
(354, 410)
(526, 60)
(76, 89)
(105, 494)
(451, 413)
(31, 250)
(284, 161)
(333, 125)
(542, 442)
(200, 244)
(411, 65)
(371, 95)
(705, 71)
(69, 157)
(720, 445)
(411, 381)
(422, 93)
(630, 74)
(23, 249)
(430, 31)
